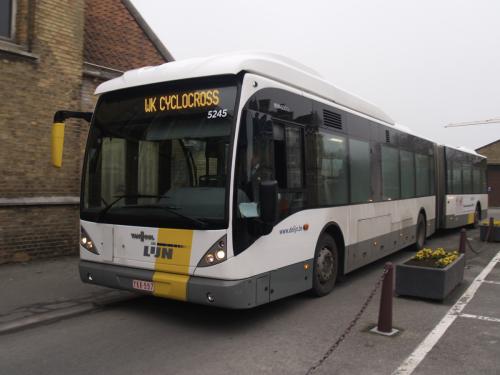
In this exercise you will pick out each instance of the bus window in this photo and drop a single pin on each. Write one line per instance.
(432, 175)
(359, 159)
(407, 174)
(467, 178)
(113, 168)
(390, 173)
(476, 179)
(148, 170)
(449, 177)
(280, 170)
(484, 187)
(179, 169)
(288, 167)
(332, 169)
(457, 178)
(293, 136)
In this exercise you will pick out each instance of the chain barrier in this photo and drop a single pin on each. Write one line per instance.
(477, 252)
(486, 240)
(351, 325)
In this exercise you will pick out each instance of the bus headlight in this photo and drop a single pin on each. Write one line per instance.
(86, 242)
(220, 254)
(216, 254)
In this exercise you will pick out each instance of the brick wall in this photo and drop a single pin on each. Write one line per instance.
(88, 98)
(31, 89)
(36, 232)
(41, 71)
(491, 151)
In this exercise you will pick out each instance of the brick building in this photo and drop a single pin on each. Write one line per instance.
(53, 53)
(492, 152)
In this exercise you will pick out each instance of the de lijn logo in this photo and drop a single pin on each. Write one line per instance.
(142, 236)
(161, 250)
(157, 250)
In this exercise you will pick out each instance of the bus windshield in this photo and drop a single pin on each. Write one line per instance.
(158, 157)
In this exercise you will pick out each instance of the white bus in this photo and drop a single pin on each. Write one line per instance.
(241, 179)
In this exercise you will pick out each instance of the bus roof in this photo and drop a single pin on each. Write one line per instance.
(265, 64)
(269, 65)
(465, 150)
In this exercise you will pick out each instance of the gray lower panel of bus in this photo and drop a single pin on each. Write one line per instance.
(113, 276)
(254, 291)
(236, 294)
(364, 252)
(455, 221)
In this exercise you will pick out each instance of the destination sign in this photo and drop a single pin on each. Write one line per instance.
(179, 101)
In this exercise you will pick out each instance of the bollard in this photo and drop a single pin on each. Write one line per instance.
(490, 230)
(385, 312)
(463, 238)
(384, 326)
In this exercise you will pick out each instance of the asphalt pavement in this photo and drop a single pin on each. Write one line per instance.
(157, 336)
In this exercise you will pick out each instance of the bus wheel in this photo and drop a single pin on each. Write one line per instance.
(420, 233)
(326, 266)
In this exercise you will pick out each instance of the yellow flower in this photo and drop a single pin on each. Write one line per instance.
(442, 257)
(443, 262)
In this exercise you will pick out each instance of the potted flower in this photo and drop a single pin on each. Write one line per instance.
(430, 274)
(484, 228)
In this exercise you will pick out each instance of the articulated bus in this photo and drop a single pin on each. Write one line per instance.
(241, 179)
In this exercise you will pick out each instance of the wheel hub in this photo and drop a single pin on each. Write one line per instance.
(325, 265)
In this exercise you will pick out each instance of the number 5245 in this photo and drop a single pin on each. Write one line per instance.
(221, 113)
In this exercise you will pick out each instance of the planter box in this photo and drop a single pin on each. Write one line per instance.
(427, 282)
(494, 236)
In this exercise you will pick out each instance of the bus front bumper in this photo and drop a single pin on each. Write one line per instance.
(233, 294)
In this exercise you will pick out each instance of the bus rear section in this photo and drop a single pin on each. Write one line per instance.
(465, 200)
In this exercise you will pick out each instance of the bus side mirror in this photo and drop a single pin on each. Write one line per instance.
(58, 133)
(268, 201)
(57, 144)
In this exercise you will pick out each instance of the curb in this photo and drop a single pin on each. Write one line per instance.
(52, 316)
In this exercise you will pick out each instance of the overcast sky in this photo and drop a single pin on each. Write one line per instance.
(425, 63)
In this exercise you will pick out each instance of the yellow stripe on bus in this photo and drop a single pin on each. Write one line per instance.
(470, 218)
(171, 274)
(170, 285)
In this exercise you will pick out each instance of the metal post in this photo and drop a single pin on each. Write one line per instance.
(490, 230)
(463, 238)
(384, 326)
(385, 312)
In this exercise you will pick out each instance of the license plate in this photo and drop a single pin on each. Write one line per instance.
(142, 285)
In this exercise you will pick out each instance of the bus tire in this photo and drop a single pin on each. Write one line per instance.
(326, 266)
(420, 233)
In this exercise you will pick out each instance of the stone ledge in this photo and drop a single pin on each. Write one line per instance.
(18, 50)
(39, 201)
(101, 72)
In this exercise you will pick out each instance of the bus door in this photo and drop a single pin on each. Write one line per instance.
(267, 150)
(288, 157)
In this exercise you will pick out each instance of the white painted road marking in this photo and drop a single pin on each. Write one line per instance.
(411, 363)
(480, 317)
(491, 282)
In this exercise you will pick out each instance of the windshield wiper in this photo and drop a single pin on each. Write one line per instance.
(119, 198)
(170, 209)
